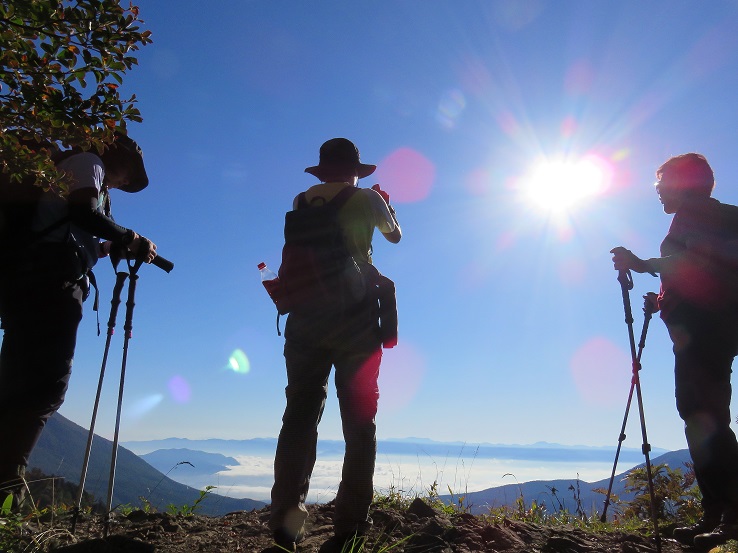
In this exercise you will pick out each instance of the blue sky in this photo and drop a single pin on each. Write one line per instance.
(511, 318)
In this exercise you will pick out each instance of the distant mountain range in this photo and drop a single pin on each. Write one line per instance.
(199, 462)
(61, 449)
(561, 493)
(60, 452)
(541, 451)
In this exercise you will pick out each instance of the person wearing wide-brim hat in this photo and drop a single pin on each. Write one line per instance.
(339, 156)
(350, 341)
(125, 156)
(42, 291)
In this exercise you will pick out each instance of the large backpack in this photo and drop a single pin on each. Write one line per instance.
(18, 207)
(318, 272)
(18, 202)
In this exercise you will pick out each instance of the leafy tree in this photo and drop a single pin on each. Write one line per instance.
(677, 498)
(61, 63)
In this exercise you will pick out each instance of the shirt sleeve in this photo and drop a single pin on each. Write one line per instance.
(86, 170)
(382, 217)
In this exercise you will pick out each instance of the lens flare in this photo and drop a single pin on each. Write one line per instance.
(450, 108)
(141, 406)
(598, 368)
(569, 127)
(579, 78)
(238, 362)
(402, 374)
(479, 182)
(407, 175)
(179, 389)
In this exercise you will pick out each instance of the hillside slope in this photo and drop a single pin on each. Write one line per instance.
(60, 452)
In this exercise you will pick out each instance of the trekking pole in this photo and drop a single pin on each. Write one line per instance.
(133, 267)
(626, 284)
(114, 304)
(647, 312)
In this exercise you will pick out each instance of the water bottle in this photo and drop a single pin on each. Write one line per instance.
(269, 280)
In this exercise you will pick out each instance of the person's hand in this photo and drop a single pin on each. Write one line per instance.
(382, 193)
(624, 260)
(141, 244)
(651, 302)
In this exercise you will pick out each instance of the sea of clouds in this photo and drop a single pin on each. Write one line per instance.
(410, 475)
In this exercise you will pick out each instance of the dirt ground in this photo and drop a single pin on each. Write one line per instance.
(417, 529)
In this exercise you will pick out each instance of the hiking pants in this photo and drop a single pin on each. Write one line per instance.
(704, 349)
(308, 370)
(40, 321)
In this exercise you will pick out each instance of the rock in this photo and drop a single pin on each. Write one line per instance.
(421, 509)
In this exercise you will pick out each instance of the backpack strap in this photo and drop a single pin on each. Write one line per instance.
(343, 196)
(302, 201)
(338, 200)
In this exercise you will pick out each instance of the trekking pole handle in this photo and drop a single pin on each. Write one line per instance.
(163, 263)
(625, 278)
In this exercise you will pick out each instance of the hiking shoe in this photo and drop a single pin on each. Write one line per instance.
(725, 531)
(686, 534)
(14, 484)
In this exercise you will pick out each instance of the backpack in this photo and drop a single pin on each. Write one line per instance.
(317, 271)
(18, 241)
(18, 202)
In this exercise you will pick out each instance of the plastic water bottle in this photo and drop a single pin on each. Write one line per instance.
(269, 280)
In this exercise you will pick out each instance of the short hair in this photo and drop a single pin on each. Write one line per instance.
(688, 172)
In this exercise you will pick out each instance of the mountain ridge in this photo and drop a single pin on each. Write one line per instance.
(60, 452)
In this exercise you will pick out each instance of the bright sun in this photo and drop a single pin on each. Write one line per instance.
(560, 185)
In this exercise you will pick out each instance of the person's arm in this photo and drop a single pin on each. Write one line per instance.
(625, 260)
(396, 234)
(83, 213)
(392, 232)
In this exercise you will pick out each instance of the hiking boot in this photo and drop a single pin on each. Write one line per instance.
(725, 531)
(14, 484)
(686, 534)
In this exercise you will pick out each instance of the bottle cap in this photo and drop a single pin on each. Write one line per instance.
(261, 265)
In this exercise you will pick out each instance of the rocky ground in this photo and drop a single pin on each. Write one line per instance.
(416, 529)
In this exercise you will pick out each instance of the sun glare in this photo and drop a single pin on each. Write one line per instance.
(561, 185)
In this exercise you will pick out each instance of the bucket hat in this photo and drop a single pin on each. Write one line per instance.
(126, 147)
(340, 153)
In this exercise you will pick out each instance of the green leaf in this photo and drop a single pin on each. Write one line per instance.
(7, 505)
(49, 51)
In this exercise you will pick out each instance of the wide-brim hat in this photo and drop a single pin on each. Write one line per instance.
(337, 154)
(125, 146)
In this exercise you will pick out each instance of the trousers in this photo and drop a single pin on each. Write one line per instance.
(704, 348)
(313, 346)
(39, 318)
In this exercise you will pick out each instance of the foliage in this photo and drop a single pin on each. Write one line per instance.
(61, 65)
(188, 510)
(677, 502)
(676, 496)
(393, 498)
(730, 547)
